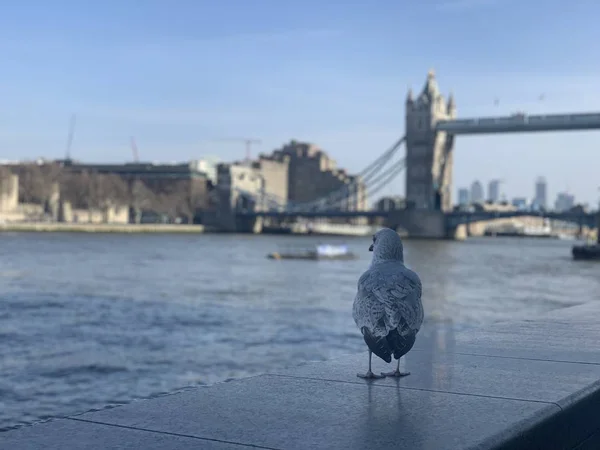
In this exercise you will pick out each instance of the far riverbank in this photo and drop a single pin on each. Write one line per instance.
(100, 227)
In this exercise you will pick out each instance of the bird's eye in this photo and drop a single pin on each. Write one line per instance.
(373, 238)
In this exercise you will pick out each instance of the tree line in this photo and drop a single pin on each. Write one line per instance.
(91, 190)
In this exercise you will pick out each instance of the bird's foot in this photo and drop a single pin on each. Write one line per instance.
(395, 374)
(369, 375)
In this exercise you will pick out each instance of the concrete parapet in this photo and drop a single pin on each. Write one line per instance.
(525, 385)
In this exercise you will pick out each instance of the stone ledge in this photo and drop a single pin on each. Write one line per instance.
(510, 386)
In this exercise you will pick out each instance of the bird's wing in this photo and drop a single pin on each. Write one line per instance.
(367, 311)
(399, 293)
(370, 313)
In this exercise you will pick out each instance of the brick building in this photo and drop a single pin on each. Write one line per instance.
(312, 175)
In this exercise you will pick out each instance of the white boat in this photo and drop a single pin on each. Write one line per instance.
(320, 252)
(567, 237)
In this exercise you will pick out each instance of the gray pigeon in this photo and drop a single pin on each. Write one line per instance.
(387, 308)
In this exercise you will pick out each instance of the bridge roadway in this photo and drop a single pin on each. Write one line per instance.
(521, 123)
(453, 219)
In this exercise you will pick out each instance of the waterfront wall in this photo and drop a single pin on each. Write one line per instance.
(508, 386)
(99, 227)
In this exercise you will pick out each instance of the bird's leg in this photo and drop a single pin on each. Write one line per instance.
(369, 373)
(396, 373)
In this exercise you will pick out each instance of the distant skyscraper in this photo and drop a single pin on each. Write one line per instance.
(494, 191)
(564, 202)
(463, 196)
(540, 198)
(476, 192)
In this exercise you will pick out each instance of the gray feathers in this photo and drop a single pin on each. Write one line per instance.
(388, 298)
(387, 307)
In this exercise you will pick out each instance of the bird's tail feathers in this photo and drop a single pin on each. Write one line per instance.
(377, 344)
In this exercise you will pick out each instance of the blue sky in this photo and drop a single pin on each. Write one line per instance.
(181, 74)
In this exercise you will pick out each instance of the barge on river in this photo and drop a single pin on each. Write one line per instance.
(320, 252)
(586, 252)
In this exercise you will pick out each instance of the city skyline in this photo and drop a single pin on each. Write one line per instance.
(179, 77)
(564, 199)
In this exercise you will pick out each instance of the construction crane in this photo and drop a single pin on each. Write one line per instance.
(70, 137)
(247, 141)
(134, 150)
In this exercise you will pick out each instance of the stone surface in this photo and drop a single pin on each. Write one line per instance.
(591, 443)
(522, 379)
(67, 434)
(525, 385)
(555, 340)
(582, 313)
(287, 413)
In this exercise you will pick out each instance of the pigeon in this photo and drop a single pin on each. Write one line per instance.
(387, 308)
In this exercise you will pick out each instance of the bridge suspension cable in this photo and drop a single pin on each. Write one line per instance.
(373, 183)
(384, 158)
(387, 177)
(368, 175)
(377, 185)
(371, 179)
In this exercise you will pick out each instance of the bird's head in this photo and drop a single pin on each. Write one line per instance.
(387, 246)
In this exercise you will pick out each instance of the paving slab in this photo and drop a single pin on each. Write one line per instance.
(287, 413)
(566, 334)
(522, 379)
(67, 434)
(584, 312)
(544, 340)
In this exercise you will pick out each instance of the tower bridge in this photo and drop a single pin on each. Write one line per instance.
(431, 129)
(520, 123)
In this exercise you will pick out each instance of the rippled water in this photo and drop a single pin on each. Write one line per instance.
(91, 320)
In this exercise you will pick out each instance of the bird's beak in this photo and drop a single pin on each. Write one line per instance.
(371, 248)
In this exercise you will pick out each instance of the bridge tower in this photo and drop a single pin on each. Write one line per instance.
(428, 152)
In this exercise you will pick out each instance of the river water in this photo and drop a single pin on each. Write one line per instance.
(88, 320)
